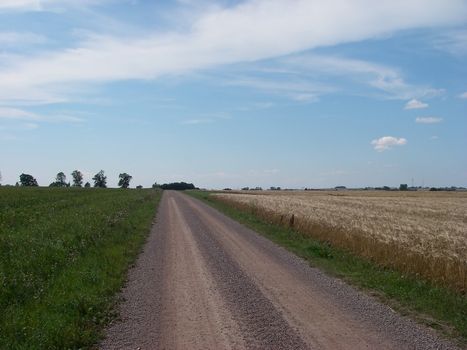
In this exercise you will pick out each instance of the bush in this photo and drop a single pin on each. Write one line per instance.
(178, 186)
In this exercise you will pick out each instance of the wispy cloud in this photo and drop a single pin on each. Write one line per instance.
(454, 42)
(21, 38)
(44, 5)
(30, 126)
(415, 104)
(386, 79)
(246, 32)
(196, 121)
(387, 142)
(32, 5)
(297, 90)
(428, 120)
(7, 113)
(206, 119)
(255, 106)
(463, 95)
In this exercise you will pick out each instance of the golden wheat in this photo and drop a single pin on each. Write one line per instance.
(420, 233)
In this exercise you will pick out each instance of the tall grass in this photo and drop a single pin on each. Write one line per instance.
(421, 235)
(63, 256)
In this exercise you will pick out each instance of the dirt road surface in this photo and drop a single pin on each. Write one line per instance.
(204, 281)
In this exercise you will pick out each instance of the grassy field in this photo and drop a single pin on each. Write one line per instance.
(437, 306)
(418, 233)
(64, 254)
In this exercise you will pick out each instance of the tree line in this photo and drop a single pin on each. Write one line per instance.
(100, 181)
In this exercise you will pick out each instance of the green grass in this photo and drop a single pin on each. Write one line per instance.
(438, 307)
(64, 254)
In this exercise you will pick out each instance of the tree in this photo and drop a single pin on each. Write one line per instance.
(403, 187)
(100, 180)
(27, 180)
(139, 187)
(60, 180)
(156, 185)
(178, 186)
(87, 185)
(77, 178)
(124, 181)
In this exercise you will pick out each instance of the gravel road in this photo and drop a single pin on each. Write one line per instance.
(204, 281)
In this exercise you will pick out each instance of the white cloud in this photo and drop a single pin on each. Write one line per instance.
(415, 104)
(464, 95)
(7, 113)
(21, 38)
(43, 5)
(246, 32)
(32, 5)
(387, 142)
(428, 120)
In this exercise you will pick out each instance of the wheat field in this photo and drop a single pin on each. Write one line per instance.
(419, 233)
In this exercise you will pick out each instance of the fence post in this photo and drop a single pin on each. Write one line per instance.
(292, 220)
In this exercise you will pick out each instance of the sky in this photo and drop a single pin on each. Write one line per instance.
(228, 93)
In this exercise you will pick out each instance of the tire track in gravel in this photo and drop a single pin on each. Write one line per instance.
(205, 281)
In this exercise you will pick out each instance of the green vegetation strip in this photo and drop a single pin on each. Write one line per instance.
(64, 254)
(438, 307)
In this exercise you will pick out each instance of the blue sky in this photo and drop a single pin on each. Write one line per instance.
(290, 93)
